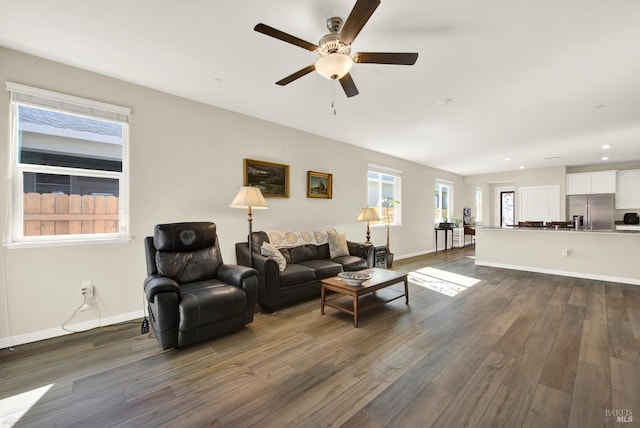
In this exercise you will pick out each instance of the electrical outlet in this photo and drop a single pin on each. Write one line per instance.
(87, 288)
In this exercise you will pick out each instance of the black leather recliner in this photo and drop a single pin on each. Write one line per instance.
(192, 295)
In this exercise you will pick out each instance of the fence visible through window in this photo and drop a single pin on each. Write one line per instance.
(49, 214)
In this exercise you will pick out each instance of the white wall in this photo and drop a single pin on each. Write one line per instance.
(186, 164)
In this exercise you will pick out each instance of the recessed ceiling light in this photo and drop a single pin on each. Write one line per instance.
(444, 101)
(605, 158)
(521, 167)
(507, 159)
(605, 146)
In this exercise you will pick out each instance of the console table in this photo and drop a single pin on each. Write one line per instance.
(446, 236)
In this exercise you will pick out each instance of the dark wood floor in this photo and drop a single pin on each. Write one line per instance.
(516, 349)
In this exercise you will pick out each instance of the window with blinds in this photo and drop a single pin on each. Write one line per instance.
(69, 167)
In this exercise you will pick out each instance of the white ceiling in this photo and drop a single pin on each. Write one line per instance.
(544, 83)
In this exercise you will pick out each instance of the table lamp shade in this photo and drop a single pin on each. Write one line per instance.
(368, 214)
(249, 197)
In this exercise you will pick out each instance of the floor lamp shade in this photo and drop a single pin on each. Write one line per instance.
(250, 198)
(368, 214)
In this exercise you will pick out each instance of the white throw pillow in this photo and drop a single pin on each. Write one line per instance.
(269, 250)
(337, 244)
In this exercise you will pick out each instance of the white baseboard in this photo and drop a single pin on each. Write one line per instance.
(632, 281)
(11, 341)
(409, 255)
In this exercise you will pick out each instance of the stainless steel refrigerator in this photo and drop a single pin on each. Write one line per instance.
(596, 210)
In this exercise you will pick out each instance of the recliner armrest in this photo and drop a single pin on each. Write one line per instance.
(235, 274)
(155, 284)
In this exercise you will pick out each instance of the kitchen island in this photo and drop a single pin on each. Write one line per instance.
(602, 255)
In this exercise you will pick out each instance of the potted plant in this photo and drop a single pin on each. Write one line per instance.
(388, 214)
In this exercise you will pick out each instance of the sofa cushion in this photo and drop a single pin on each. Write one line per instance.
(286, 253)
(323, 251)
(303, 253)
(270, 251)
(205, 302)
(296, 274)
(337, 244)
(324, 268)
(351, 263)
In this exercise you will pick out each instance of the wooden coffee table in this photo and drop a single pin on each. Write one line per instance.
(372, 293)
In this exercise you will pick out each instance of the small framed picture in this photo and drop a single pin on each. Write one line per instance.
(271, 178)
(319, 185)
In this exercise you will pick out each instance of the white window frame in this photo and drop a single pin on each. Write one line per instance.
(43, 99)
(478, 195)
(440, 183)
(397, 190)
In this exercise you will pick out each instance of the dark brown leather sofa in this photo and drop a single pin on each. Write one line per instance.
(306, 266)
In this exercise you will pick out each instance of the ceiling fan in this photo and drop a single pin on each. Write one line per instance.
(335, 48)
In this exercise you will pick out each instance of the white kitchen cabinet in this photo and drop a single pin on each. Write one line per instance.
(583, 183)
(628, 190)
(603, 182)
(579, 183)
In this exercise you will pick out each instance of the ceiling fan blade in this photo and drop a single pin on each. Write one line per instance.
(399, 58)
(360, 14)
(298, 74)
(281, 35)
(349, 86)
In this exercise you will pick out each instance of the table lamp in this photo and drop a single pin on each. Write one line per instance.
(368, 214)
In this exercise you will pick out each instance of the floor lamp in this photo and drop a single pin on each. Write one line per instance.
(368, 214)
(250, 198)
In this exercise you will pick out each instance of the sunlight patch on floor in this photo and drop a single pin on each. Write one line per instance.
(447, 283)
(14, 407)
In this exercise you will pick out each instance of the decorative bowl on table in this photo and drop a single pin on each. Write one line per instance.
(354, 278)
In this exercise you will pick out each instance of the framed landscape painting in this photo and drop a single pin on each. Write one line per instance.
(271, 178)
(319, 185)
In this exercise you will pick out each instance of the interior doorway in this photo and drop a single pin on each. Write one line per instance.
(507, 208)
(504, 206)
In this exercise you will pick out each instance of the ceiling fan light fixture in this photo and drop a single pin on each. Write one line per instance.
(334, 66)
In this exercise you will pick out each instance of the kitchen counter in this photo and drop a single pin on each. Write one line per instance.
(632, 229)
(607, 255)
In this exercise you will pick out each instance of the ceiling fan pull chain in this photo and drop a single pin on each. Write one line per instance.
(333, 96)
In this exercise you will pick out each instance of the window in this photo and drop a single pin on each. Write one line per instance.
(443, 202)
(383, 187)
(69, 167)
(478, 205)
